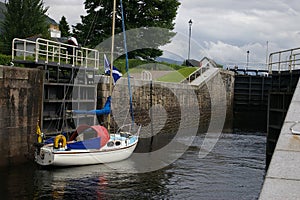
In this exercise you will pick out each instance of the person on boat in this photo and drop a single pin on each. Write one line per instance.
(71, 49)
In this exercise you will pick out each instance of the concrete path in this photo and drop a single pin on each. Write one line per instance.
(208, 74)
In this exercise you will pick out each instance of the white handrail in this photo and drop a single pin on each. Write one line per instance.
(284, 60)
(52, 51)
(23, 51)
(196, 73)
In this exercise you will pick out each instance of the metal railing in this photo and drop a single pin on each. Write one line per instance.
(196, 74)
(22, 48)
(286, 60)
(56, 52)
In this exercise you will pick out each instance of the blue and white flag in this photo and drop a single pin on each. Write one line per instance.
(115, 73)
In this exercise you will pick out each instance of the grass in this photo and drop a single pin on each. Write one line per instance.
(178, 76)
(177, 73)
(134, 63)
(187, 71)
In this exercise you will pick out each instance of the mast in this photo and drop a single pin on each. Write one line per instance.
(112, 56)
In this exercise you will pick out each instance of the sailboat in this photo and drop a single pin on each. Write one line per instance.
(90, 145)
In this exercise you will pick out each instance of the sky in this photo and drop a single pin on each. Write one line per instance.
(223, 30)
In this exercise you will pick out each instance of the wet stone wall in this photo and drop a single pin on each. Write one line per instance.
(20, 103)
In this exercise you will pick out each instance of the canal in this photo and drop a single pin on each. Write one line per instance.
(234, 169)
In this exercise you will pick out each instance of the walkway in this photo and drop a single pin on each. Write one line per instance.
(204, 76)
(283, 177)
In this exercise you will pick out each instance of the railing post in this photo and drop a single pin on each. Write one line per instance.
(290, 61)
(73, 57)
(53, 53)
(47, 50)
(279, 62)
(59, 52)
(270, 64)
(97, 60)
(36, 50)
(86, 57)
(81, 59)
(294, 61)
(13, 49)
(24, 54)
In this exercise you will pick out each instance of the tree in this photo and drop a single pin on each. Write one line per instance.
(23, 18)
(64, 27)
(96, 25)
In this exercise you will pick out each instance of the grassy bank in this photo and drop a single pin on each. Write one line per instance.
(177, 72)
(177, 76)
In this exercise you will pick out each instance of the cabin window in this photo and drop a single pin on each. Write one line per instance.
(87, 134)
(110, 144)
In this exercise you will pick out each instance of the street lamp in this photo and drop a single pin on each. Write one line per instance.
(190, 34)
(248, 58)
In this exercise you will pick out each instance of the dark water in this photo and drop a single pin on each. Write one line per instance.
(233, 170)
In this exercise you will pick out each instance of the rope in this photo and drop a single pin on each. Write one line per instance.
(127, 64)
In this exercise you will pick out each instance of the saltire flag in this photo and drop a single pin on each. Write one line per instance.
(115, 73)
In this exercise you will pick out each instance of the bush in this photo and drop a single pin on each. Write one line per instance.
(5, 59)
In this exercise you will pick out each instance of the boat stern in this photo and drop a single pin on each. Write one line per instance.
(44, 156)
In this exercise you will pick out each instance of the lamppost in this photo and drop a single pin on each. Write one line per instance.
(248, 58)
(267, 52)
(190, 34)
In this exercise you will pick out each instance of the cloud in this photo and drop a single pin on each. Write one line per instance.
(222, 29)
(226, 29)
(71, 9)
(231, 54)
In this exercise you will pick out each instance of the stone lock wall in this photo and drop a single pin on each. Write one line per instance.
(161, 107)
(20, 103)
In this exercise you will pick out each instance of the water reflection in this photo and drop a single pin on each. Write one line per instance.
(99, 182)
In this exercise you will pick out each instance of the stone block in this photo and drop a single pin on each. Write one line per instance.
(279, 189)
(20, 107)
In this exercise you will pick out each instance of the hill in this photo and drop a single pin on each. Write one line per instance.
(167, 60)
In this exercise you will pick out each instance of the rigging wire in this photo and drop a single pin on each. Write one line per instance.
(61, 111)
(92, 27)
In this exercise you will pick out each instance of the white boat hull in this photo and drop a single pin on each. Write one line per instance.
(47, 155)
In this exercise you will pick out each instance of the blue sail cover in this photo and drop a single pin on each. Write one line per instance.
(104, 111)
(93, 143)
